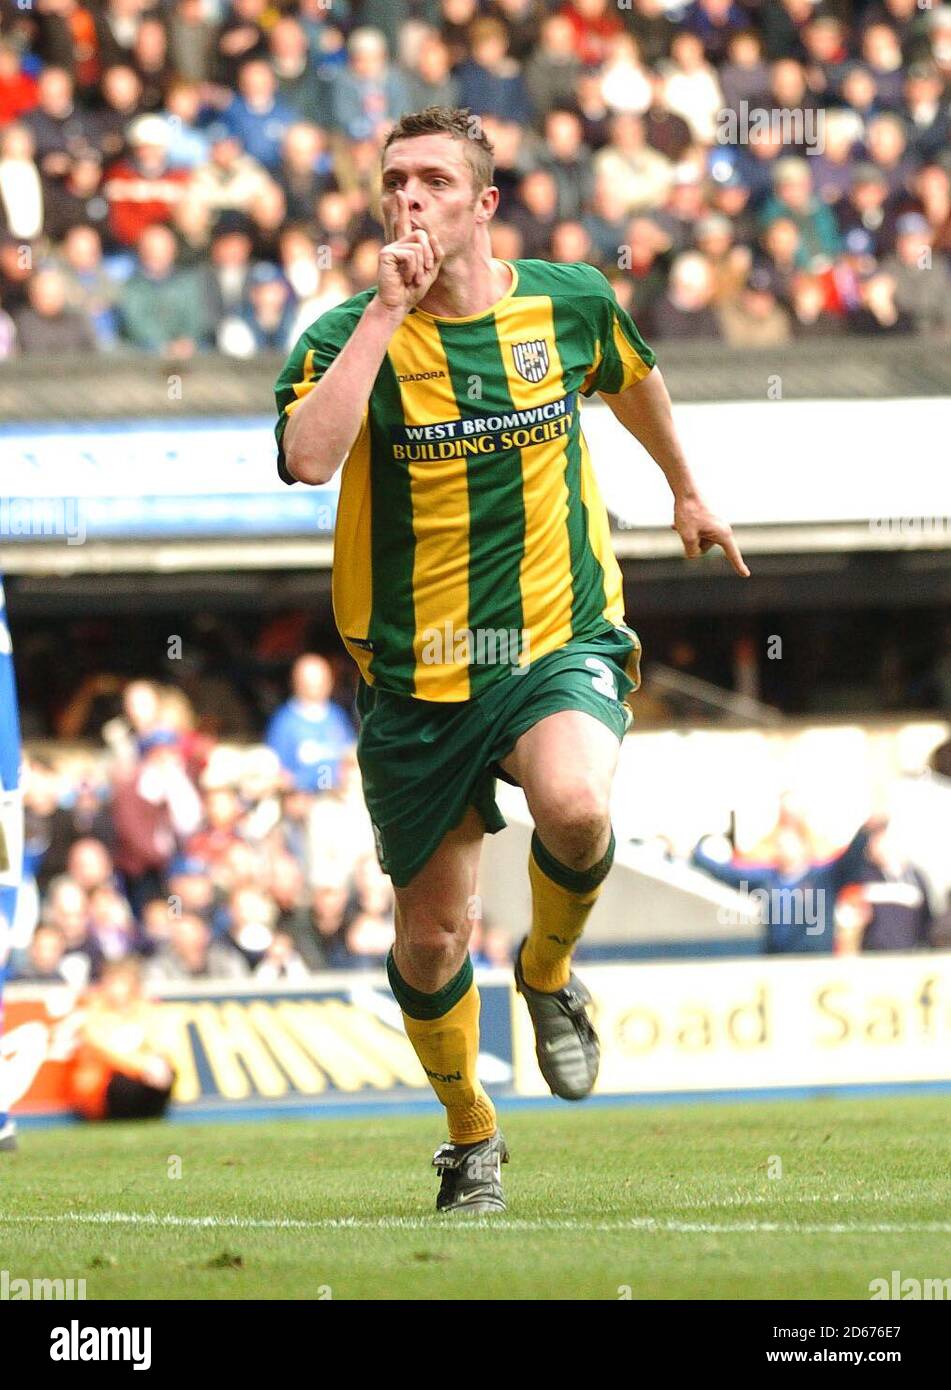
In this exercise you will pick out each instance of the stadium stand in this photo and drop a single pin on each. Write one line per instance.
(187, 177)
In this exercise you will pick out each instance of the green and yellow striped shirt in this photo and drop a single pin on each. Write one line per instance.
(471, 536)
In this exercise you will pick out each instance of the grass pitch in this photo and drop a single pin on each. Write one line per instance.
(666, 1203)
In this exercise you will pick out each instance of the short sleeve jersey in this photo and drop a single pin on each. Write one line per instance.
(471, 534)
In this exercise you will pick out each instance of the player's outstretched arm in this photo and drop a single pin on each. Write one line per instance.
(644, 410)
(321, 430)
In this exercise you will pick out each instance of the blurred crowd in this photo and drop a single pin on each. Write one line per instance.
(207, 860)
(179, 176)
(869, 896)
(151, 837)
(200, 858)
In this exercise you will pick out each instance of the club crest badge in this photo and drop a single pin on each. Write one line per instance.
(531, 359)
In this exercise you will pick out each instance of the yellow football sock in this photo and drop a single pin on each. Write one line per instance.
(562, 898)
(444, 1030)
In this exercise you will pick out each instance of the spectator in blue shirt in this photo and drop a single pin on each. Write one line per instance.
(187, 145)
(794, 198)
(265, 319)
(491, 81)
(367, 93)
(324, 31)
(257, 115)
(798, 894)
(715, 22)
(310, 733)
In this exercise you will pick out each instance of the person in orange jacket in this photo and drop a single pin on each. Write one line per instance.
(119, 1072)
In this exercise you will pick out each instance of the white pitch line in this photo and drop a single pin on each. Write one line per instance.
(435, 1223)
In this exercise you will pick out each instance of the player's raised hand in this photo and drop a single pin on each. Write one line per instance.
(409, 263)
(700, 530)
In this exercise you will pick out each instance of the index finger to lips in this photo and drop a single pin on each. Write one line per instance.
(403, 228)
(422, 236)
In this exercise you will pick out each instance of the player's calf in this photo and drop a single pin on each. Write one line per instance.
(562, 899)
(566, 1043)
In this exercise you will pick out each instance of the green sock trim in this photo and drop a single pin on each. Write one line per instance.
(574, 880)
(419, 1005)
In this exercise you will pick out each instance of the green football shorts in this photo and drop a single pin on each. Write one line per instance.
(424, 762)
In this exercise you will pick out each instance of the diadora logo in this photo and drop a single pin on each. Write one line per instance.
(531, 359)
(421, 376)
(443, 1076)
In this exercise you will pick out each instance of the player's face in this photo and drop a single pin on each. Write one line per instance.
(435, 175)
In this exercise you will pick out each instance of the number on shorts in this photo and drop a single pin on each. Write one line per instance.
(604, 681)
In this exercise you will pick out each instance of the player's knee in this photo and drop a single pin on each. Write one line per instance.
(573, 822)
(431, 939)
